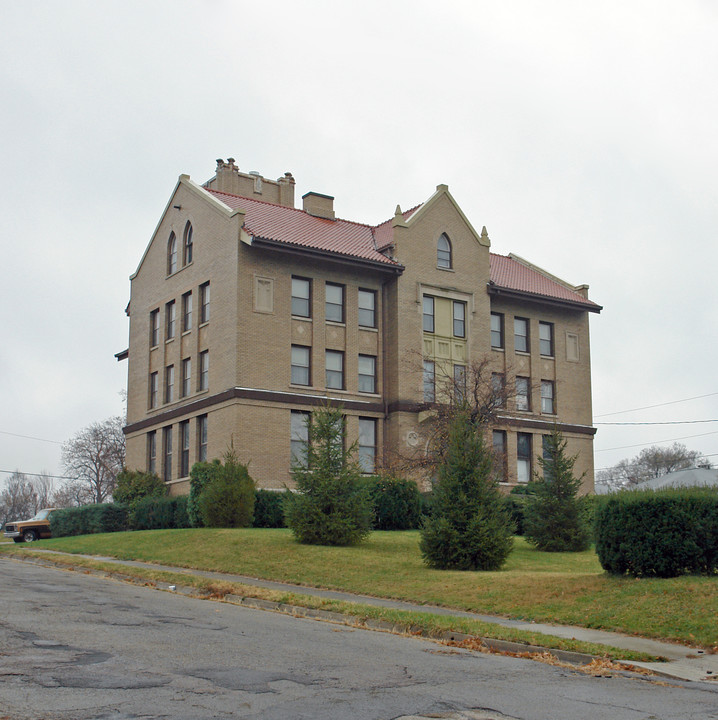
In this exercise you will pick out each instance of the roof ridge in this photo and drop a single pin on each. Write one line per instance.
(287, 207)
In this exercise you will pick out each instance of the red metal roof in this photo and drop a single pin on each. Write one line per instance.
(297, 227)
(510, 274)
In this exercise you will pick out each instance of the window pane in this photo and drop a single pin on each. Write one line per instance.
(367, 302)
(367, 444)
(546, 338)
(204, 302)
(300, 365)
(443, 252)
(334, 365)
(300, 297)
(367, 373)
(460, 382)
(521, 335)
(335, 303)
(429, 393)
(547, 396)
(522, 393)
(459, 319)
(299, 436)
(428, 314)
(497, 330)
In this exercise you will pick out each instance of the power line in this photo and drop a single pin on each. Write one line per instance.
(20, 472)
(686, 437)
(30, 437)
(648, 407)
(667, 422)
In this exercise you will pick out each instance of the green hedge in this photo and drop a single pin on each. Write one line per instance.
(153, 513)
(88, 519)
(658, 534)
(397, 503)
(269, 508)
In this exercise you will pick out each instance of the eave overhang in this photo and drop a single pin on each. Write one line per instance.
(511, 293)
(304, 251)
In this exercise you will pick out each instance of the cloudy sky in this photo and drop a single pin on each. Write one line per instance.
(582, 135)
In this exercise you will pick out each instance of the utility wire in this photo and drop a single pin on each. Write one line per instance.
(686, 437)
(59, 477)
(648, 407)
(667, 422)
(30, 437)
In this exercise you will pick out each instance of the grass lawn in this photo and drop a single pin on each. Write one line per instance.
(565, 588)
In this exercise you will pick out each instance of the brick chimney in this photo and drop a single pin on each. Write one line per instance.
(228, 179)
(319, 205)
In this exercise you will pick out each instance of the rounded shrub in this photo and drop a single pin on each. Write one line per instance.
(269, 509)
(228, 499)
(397, 503)
(658, 534)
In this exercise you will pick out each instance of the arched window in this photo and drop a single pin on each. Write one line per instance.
(443, 252)
(187, 252)
(172, 254)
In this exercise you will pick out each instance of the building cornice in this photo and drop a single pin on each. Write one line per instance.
(275, 397)
(523, 295)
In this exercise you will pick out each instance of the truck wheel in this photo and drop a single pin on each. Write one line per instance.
(29, 536)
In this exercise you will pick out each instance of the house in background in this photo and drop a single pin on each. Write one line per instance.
(690, 477)
(246, 312)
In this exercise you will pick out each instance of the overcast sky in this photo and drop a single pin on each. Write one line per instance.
(583, 135)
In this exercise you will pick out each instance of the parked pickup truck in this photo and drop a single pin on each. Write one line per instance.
(28, 530)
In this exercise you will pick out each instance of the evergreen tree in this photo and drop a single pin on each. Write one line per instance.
(227, 500)
(470, 528)
(552, 519)
(331, 505)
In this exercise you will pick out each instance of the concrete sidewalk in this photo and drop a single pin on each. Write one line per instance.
(684, 663)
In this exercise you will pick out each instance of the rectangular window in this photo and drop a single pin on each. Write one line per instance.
(367, 444)
(155, 328)
(301, 297)
(546, 338)
(460, 383)
(497, 330)
(429, 378)
(459, 319)
(203, 370)
(300, 365)
(428, 322)
(170, 320)
(334, 302)
(167, 452)
(523, 457)
(547, 397)
(299, 437)
(334, 365)
(154, 390)
(499, 444)
(204, 303)
(152, 452)
(367, 308)
(367, 373)
(169, 383)
(202, 438)
(523, 401)
(184, 448)
(498, 390)
(521, 334)
(547, 465)
(186, 377)
(187, 312)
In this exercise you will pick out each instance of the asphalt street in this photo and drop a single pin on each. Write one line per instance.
(75, 646)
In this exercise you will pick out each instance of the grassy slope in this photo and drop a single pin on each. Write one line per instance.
(568, 588)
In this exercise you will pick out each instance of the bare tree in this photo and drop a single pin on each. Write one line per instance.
(651, 462)
(94, 457)
(18, 500)
(71, 493)
(44, 487)
(476, 392)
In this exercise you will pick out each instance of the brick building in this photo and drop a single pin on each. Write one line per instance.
(246, 312)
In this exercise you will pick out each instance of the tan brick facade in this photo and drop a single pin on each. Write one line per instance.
(251, 338)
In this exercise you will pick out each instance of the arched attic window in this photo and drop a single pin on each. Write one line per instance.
(187, 247)
(443, 252)
(172, 254)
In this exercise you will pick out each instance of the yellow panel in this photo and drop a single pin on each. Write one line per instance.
(443, 317)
